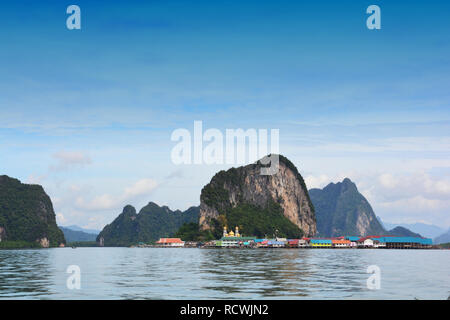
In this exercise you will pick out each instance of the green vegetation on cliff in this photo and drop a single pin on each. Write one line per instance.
(152, 223)
(216, 196)
(259, 204)
(256, 221)
(191, 232)
(26, 214)
(82, 244)
(19, 245)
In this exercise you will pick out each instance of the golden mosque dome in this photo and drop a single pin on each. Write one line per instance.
(231, 233)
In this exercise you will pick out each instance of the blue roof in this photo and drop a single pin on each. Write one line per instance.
(259, 240)
(272, 242)
(352, 238)
(424, 241)
(321, 241)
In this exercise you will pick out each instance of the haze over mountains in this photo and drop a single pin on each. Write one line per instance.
(443, 238)
(426, 230)
(78, 228)
(72, 235)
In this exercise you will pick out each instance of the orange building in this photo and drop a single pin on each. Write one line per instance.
(338, 243)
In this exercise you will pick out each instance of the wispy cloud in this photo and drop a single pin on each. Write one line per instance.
(70, 159)
(143, 187)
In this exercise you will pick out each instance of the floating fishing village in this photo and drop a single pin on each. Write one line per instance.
(236, 240)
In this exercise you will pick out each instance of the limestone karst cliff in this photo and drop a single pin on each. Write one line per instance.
(26, 214)
(151, 223)
(259, 204)
(342, 210)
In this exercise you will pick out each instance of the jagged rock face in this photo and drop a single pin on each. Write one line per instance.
(2, 233)
(26, 214)
(341, 210)
(247, 185)
(44, 242)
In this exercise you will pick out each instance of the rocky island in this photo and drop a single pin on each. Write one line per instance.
(27, 218)
(260, 205)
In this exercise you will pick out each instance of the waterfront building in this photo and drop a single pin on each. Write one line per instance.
(379, 244)
(170, 242)
(340, 243)
(297, 243)
(406, 242)
(393, 242)
(192, 244)
(320, 243)
(302, 243)
(231, 242)
(234, 239)
(261, 243)
(292, 243)
(275, 244)
(365, 242)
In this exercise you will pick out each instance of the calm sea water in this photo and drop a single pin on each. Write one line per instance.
(154, 273)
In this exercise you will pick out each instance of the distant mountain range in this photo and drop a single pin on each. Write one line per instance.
(72, 235)
(259, 205)
(443, 238)
(426, 230)
(151, 223)
(77, 228)
(402, 232)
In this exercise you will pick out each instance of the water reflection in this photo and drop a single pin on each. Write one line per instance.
(25, 273)
(265, 272)
(151, 273)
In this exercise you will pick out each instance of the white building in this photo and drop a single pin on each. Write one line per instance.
(170, 242)
(366, 243)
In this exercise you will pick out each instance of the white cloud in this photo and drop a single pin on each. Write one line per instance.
(387, 181)
(402, 197)
(36, 179)
(69, 159)
(141, 187)
(108, 201)
(60, 219)
(319, 181)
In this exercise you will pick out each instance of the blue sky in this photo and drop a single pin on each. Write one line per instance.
(89, 113)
